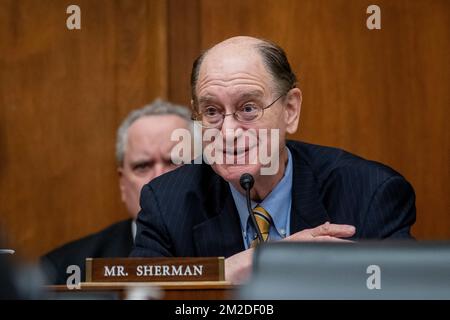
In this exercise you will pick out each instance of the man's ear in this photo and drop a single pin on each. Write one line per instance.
(292, 110)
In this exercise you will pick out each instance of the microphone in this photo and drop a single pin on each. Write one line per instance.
(246, 181)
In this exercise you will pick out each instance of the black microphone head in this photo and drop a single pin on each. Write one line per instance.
(246, 181)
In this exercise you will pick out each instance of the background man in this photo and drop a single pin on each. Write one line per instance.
(143, 152)
(318, 193)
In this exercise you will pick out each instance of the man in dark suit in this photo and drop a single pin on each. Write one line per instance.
(315, 193)
(142, 152)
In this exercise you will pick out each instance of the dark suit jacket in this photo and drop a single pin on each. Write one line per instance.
(191, 212)
(114, 241)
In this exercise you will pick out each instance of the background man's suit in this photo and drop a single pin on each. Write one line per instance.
(114, 241)
(190, 211)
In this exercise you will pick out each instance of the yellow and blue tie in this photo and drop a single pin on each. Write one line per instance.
(264, 221)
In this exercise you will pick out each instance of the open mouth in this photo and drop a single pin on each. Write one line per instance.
(235, 152)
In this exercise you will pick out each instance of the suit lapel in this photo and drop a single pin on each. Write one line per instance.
(220, 234)
(122, 243)
(307, 209)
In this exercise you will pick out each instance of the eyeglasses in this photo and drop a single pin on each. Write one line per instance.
(212, 117)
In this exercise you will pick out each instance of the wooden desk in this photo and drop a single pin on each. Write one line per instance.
(193, 290)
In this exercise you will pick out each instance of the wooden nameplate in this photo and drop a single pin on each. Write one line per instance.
(154, 269)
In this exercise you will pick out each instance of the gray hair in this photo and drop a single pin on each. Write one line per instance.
(157, 108)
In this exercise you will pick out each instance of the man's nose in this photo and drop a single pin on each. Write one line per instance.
(230, 124)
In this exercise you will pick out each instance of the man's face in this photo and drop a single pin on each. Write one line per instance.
(147, 155)
(230, 78)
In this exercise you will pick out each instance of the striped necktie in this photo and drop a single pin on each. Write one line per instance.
(264, 221)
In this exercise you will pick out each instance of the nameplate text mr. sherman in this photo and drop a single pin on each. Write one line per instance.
(154, 269)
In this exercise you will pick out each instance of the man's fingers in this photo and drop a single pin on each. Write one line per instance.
(324, 232)
(334, 230)
(329, 239)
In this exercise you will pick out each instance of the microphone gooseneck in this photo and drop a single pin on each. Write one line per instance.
(247, 181)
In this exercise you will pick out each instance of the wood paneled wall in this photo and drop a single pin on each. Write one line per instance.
(383, 94)
(62, 95)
